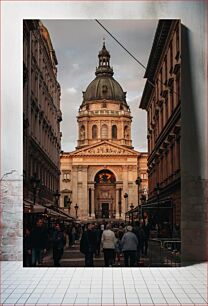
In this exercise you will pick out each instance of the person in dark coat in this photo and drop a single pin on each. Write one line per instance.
(98, 235)
(39, 240)
(136, 230)
(58, 245)
(88, 245)
(27, 248)
(146, 229)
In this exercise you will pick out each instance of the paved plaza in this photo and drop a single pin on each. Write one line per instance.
(103, 286)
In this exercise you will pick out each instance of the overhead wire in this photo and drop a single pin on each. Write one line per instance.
(139, 62)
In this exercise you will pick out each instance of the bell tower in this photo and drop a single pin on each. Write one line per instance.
(104, 113)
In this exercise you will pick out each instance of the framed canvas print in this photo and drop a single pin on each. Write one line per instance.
(102, 122)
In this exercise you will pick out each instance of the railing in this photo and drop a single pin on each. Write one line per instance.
(164, 252)
(103, 112)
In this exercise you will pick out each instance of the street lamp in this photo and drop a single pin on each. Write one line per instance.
(69, 202)
(132, 207)
(56, 197)
(126, 203)
(36, 185)
(138, 183)
(76, 209)
(142, 201)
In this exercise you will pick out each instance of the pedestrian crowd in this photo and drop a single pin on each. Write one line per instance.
(117, 240)
(40, 239)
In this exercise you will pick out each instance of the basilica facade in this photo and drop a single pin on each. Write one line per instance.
(98, 177)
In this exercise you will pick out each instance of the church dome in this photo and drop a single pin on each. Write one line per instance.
(104, 86)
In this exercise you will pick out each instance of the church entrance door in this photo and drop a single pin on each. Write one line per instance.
(105, 195)
(105, 210)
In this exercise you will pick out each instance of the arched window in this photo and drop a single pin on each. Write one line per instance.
(105, 176)
(104, 131)
(126, 132)
(94, 132)
(114, 132)
(82, 132)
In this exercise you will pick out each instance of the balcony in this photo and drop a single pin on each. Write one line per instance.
(104, 113)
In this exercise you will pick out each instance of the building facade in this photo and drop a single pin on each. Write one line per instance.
(162, 101)
(104, 166)
(143, 177)
(41, 116)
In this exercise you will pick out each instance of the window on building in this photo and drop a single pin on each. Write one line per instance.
(161, 80)
(66, 198)
(166, 70)
(82, 132)
(104, 131)
(66, 175)
(114, 132)
(94, 132)
(126, 132)
(178, 88)
(171, 55)
(171, 99)
(161, 119)
(166, 110)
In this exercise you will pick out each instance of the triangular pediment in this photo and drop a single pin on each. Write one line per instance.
(104, 148)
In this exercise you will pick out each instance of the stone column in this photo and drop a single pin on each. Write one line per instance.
(125, 189)
(74, 188)
(117, 201)
(93, 202)
(91, 187)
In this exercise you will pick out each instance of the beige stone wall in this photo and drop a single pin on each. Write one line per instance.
(83, 170)
(11, 222)
(110, 115)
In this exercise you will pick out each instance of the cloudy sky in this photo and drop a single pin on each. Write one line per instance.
(77, 43)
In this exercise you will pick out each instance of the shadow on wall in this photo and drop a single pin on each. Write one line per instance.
(193, 207)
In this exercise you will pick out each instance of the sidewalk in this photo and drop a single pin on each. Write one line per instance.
(103, 286)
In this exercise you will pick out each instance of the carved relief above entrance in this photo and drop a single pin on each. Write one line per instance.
(105, 194)
(106, 149)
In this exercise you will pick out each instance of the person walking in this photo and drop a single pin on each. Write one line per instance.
(108, 241)
(137, 232)
(58, 245)
(27, 248)
(129, 243)
(98, 235)
(73, 235)
(39, 240)
(118, 248)
(146, 229)
(88, 244)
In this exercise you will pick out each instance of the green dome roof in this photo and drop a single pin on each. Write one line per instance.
(104, 86)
